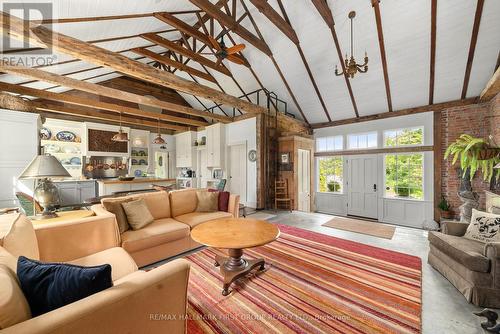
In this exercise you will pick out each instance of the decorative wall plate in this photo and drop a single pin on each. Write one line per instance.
(252, 155)
(75, 161)
(51, 148)
(45, 134)
(65, 136)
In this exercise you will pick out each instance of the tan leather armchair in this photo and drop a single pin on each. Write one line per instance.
(471, 266)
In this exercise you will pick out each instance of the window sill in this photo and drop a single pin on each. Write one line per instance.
(329, 193)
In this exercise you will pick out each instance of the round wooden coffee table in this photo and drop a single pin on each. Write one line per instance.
(235, 235)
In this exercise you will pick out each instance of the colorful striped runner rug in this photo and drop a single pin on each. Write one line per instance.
(313, 283)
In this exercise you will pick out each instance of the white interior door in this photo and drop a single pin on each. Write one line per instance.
(238, 171)
(304, 180)
(362, 186)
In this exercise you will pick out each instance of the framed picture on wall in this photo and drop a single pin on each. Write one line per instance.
(285, 158)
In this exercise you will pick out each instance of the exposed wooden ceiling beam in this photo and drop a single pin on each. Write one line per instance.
(304, 61)
(40, 35)
(492, 88)
(11, 102)
(432, 70)
(380, 32)
(153, 38)
(472, 46)
(231, 23)
(105, 91)
(275, 63)
(111, 17)
(84, 102)
(409, 111)
(183, 27)
(326, 14)
(169, 62)
(265, 8)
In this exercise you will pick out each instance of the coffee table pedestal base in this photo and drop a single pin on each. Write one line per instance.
(235, 266)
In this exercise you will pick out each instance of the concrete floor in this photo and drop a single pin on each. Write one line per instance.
(445, 310)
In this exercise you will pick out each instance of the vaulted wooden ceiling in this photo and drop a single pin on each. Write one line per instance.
(421, 52)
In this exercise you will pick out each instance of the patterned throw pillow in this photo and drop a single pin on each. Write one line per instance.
(484, 227)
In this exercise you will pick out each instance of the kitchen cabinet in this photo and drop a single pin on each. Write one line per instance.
(75, 192)
(184, 149)
(215, 145)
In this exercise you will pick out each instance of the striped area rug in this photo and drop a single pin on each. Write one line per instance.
(313, 283)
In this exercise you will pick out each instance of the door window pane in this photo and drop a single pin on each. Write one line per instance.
(330, 174)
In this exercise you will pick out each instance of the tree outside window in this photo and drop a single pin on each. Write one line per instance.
(404, 137)
(330, 174)
(404, 175)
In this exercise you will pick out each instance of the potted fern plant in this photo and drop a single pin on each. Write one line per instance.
(475, 154)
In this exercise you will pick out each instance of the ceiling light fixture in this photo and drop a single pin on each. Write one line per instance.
(159, 140)
(120, 136)
(351, 67)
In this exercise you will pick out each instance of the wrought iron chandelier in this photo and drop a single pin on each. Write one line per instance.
(351, 67)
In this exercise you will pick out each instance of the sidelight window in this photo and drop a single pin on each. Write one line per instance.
(330, 174)
(404, 175)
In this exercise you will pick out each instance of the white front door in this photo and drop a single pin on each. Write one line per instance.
(362, 186)
(238, 171)
(304, 180)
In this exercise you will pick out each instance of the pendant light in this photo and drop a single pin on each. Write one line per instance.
(120, 136)
(159, 140)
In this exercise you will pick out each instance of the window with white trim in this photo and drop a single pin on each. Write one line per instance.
(404, 175)
(404, 137)
(362, 140)
(329, 144)
(330, 171)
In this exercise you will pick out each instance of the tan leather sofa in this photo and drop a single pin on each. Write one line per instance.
(174, 216)
(135, 302)
(471, 266)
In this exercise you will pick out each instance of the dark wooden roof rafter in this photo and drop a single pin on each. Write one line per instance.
(383, 57)
(326, 14)
(472, 46)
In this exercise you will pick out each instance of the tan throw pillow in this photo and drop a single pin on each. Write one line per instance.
(21, 238)
(484, 227)
(115, 207)
(138, 214)
(207, 201)
(14, 307)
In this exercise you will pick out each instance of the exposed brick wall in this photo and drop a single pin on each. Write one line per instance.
(478, 120)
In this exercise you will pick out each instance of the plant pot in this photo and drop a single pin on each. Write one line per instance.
(488, 153)
(403, 192)
(446, 214)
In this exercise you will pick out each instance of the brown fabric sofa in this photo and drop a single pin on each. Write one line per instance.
(169, 235)
(127, 307)
(471, 266)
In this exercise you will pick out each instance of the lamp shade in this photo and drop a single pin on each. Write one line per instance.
(44, 166)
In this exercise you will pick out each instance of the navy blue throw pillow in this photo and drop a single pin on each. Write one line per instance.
(48, 286)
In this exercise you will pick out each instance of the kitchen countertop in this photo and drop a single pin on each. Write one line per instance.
(136, 180)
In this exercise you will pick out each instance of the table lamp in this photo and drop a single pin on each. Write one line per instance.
(41, 168)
